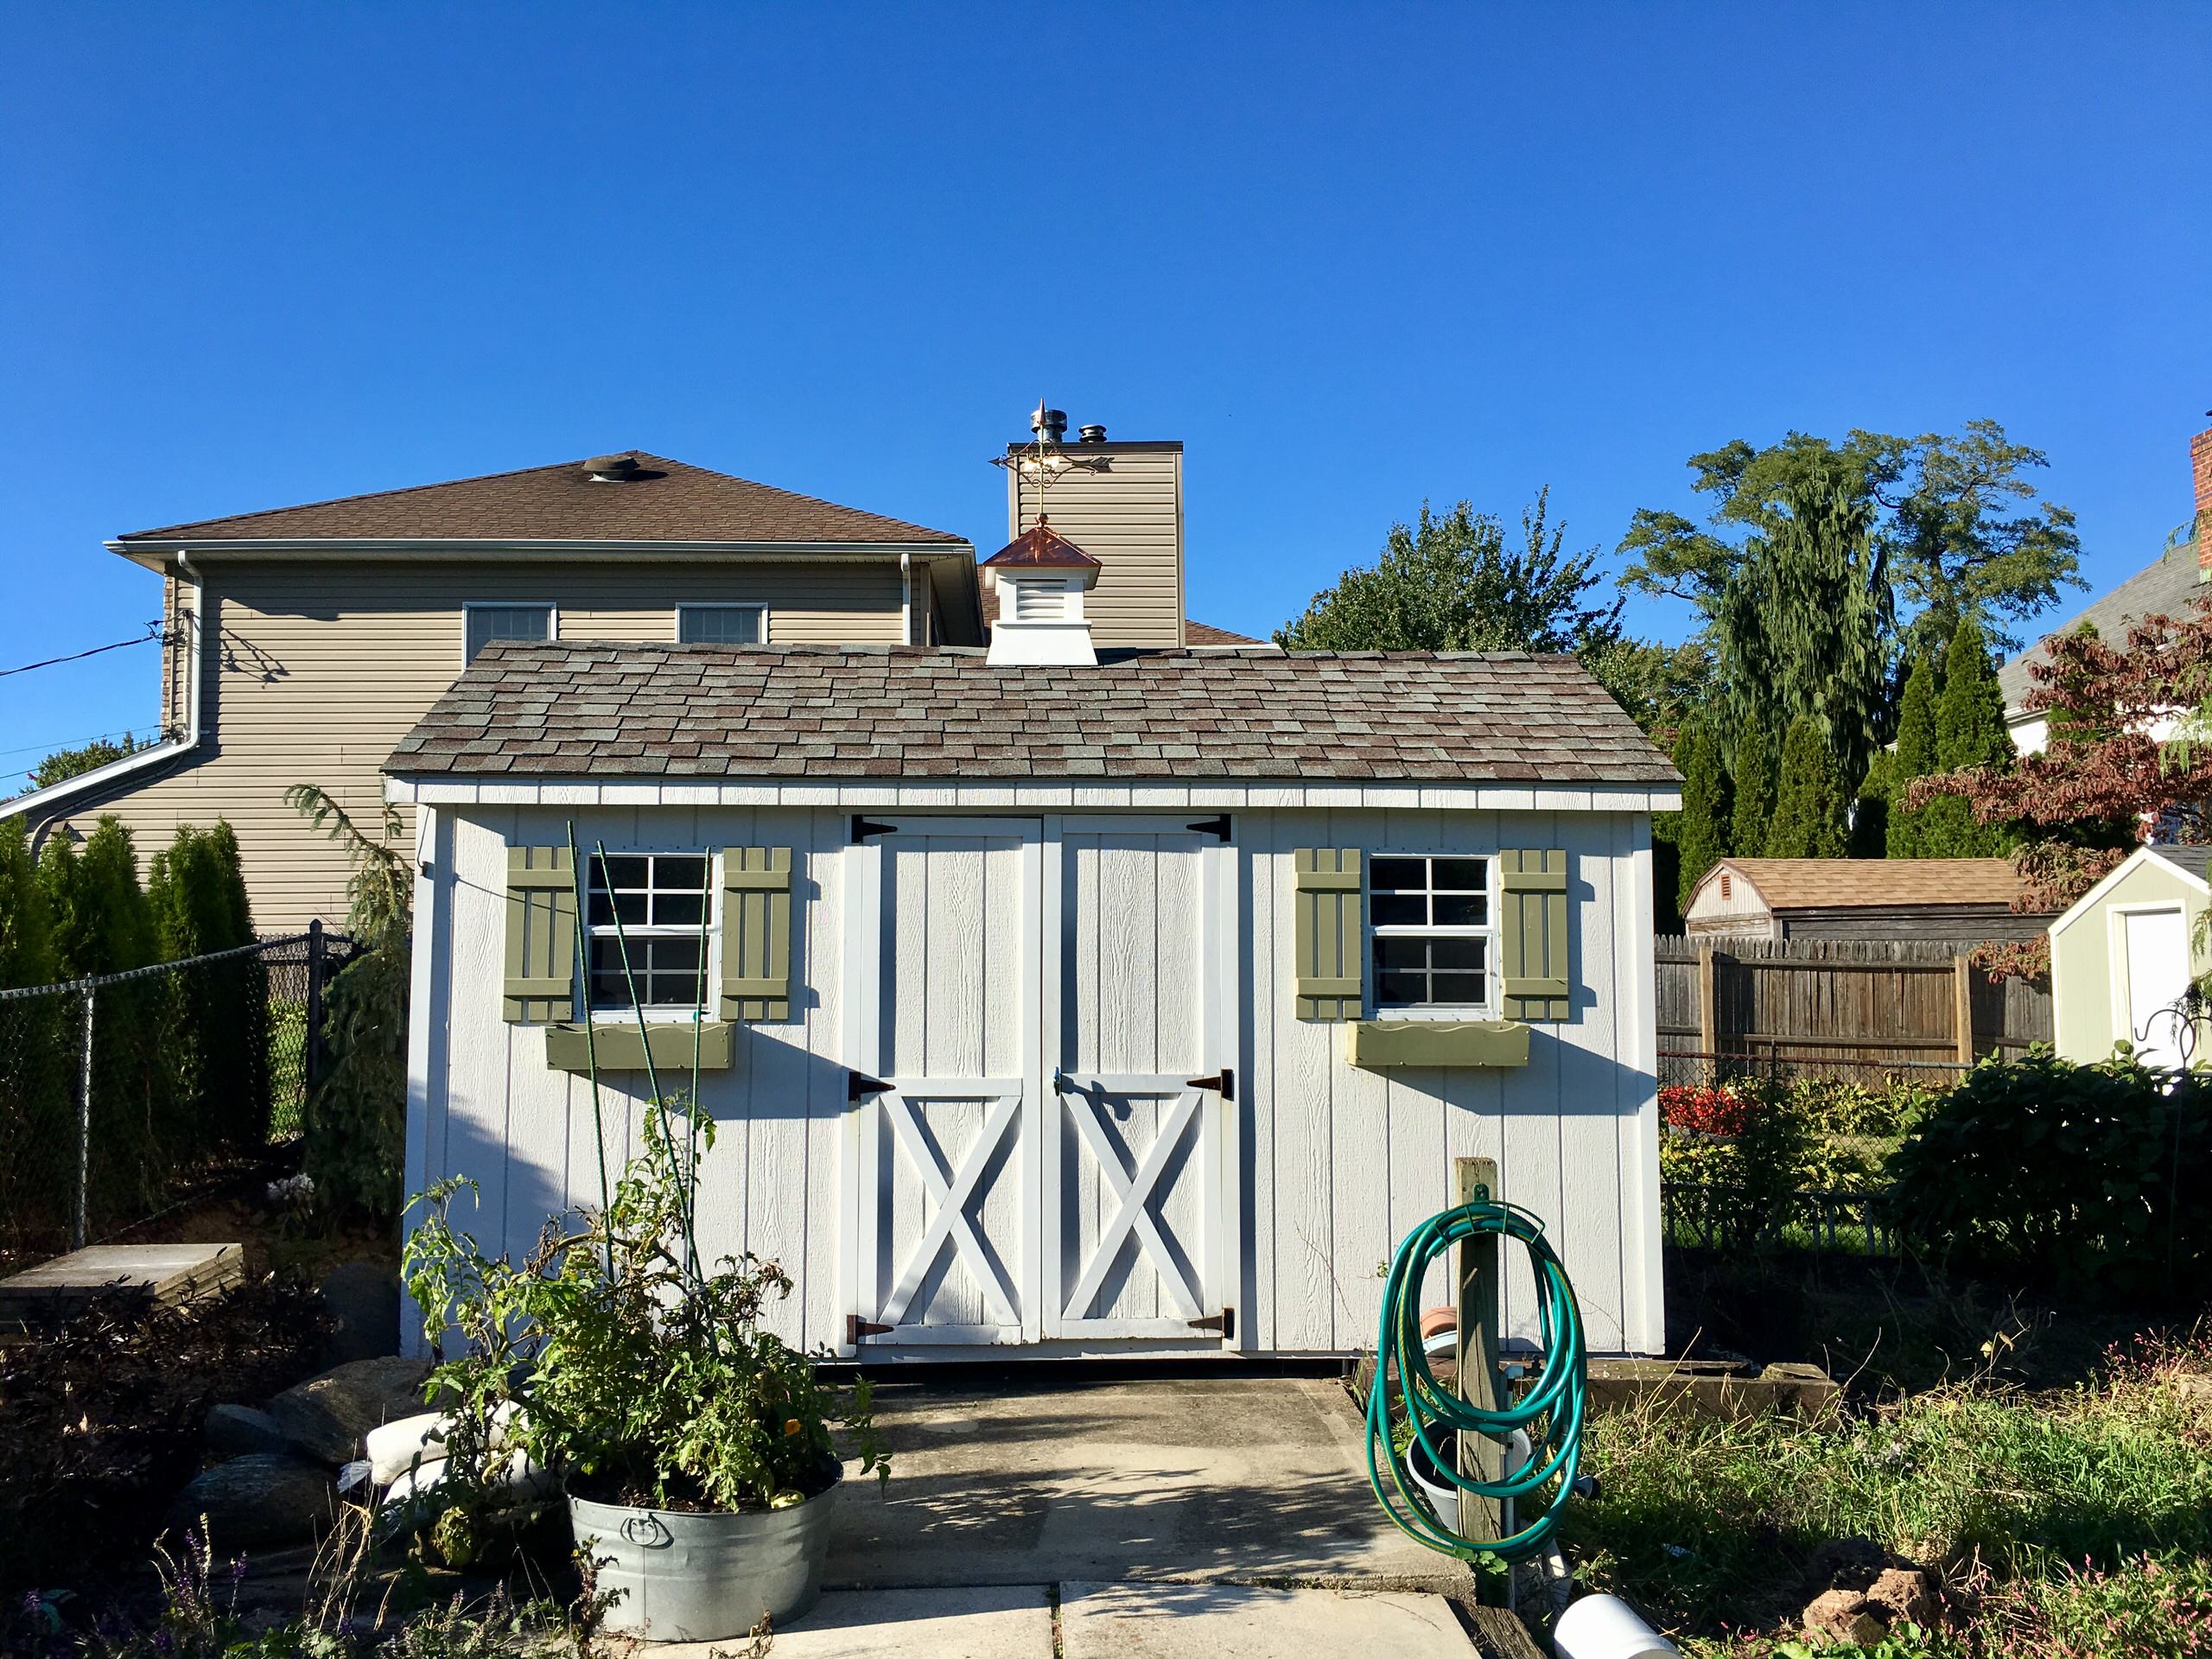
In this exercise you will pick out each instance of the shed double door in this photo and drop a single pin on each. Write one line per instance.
(1043, 1028)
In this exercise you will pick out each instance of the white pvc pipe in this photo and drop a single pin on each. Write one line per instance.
(1605, 1627)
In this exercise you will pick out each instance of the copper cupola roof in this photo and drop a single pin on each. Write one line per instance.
(1041, 548)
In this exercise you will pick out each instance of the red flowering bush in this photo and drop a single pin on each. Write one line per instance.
(1701, 1110)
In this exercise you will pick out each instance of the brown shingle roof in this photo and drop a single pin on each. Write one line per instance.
(667, 501)
(581, 710)
(1833, 883)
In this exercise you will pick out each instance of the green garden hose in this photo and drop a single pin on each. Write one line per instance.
(1549, 1413)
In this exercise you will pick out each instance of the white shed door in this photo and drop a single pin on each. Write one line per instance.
(1140, 1035)
(946, 1002)
(2157, 973)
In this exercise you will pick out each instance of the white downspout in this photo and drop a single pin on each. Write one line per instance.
(907, 598)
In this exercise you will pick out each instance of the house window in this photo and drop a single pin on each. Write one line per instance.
(1432, 930)
(721, 625)
(662, 902)
(490, 622)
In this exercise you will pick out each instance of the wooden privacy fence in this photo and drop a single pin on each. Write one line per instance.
(1835, 1007)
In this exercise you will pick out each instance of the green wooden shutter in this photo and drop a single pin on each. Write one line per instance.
(540, 962)
(757, 933)
(1331, 937)
(1533, 930)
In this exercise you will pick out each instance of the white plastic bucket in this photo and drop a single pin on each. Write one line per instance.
(1605, 1627)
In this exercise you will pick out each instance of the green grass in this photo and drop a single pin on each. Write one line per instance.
(2064, 1522)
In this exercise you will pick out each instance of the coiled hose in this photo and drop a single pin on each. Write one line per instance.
(1401, 1370)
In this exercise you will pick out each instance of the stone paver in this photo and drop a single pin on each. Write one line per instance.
(1000, 1622)
(1220, 1621)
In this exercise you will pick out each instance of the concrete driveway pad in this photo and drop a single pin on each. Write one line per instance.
(1003, 1622)
(1024, 1478)
(1220, 1621)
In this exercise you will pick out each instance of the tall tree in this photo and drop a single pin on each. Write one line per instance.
(1808, 800)
(1969, 733)
(1804, 626)
(1961, 527)
(1913, 757)
(1451, 582)
(69, 763)
(1869, 813)
(1752, 767)
(101, 922)
(1703, 835)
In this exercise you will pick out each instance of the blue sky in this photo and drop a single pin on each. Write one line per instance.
(1353, 258)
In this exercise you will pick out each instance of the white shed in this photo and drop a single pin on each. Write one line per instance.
(2124, 952)
(1130, 1007)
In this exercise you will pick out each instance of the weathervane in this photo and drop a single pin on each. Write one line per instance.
(1047, 461)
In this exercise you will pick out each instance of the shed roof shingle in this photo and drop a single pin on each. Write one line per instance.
(667, 501)
(579, 709)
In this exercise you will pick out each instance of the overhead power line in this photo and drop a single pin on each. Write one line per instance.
(154, 632)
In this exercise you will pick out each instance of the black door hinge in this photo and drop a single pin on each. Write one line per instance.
(1217, 828)
(858, 1086)
(857, 1327)
(1225, 1322)
(863, 827)
(1223, 1083)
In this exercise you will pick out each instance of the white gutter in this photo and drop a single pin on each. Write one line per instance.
(42, 806)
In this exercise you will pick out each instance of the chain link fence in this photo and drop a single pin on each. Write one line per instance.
(122, 1097)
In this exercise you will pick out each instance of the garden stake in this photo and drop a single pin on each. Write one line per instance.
(591, 1044)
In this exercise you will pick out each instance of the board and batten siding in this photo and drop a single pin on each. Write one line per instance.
(1130, 519)
(313, 672)
(1329, 1165)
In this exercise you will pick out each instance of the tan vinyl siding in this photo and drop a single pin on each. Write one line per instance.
(314, 672)
(1130, 519)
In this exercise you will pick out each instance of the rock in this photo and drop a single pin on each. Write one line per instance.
(238, 1431)
(326, 1416)
(363, 1302)
(1869, 1590)
(262, 1499)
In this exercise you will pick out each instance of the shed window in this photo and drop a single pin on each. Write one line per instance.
(663, 902)
(1432, 931)
(490, 622)
(721, 625)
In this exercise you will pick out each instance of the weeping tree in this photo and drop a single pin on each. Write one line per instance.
(1805, 623)
(356, 1119)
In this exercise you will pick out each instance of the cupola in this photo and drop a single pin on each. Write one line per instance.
(1041, 578)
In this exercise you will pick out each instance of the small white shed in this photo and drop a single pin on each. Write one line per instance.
(1130, 1008)
(2125, 951)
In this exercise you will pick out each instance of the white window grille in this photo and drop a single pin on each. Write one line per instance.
(1432, 931)
(666, 909)
(721, 625)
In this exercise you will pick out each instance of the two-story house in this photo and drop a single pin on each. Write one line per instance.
(301, 643)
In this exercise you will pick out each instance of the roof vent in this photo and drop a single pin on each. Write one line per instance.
(1091, 434)
(1050, 423)
(612, 469)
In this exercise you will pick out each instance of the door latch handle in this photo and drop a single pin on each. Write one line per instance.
(1223, 1083)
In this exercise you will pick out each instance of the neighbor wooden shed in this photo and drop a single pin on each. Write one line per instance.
(1961, 900)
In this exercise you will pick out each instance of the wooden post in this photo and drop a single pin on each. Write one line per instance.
(1477, 1301)
(1962, 1007)
(1708, 1007)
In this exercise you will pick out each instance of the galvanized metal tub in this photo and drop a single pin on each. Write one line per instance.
(705, 1576)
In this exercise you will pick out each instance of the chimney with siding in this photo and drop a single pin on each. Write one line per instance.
(2200, 458)
(1126, 513)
